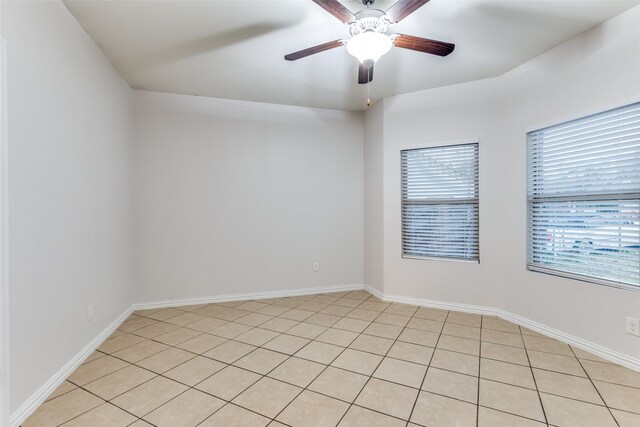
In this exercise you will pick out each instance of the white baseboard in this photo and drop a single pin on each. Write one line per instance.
(596, 349)
(465, 308)
(593, 348)
(247, 296)
(39, 397)
(28, 407)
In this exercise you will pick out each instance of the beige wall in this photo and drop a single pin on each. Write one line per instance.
(373, 196)
(235, 197)
(70, 200)
(593, 72)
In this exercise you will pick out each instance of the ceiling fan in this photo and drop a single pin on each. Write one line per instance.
(369, 39)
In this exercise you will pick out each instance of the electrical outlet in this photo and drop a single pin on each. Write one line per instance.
(90, 312)
(316, 267)
(633, 326)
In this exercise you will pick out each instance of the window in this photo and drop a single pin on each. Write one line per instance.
(440, 202)
(583, 198)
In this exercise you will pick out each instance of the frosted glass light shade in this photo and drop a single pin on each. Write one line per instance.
(369, 45)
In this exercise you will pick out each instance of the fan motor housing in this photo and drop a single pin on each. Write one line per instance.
(370, 20)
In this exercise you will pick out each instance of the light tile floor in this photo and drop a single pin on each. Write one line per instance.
(341, 359)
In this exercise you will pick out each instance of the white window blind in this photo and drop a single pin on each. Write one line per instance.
(584, 198)
(440, 202)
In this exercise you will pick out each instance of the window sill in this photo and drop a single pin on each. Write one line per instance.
(432, 258)
(572, 276)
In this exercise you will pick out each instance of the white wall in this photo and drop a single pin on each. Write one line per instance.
(373, 196)
(234, 197)
(595, 71)
(70, 204)
(448, 115)
(591, 73)
(4, 291)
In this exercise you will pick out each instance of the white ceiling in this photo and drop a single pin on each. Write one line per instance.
(235, 48)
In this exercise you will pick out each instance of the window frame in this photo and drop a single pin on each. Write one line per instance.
(529, 266)
(438, 144)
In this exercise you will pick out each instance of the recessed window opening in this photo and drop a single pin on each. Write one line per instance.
(440, 204)
(583, 198)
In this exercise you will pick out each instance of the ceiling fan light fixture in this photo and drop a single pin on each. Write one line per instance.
(369, 45)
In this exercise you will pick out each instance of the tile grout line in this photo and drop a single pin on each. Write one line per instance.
(279, 333)
(363, 332)
(344, 348)
(535, 382)
(424, 378)
(161, 375)
(345, 316)
(378, 365)
(305, 388)
(479, 375)
(229, 364)
(262, 376)
(327, 366)
(456, 336)
(324, 369)
(233, 362)
(275, 379)
(104, 401)
(157, 375)
(596, 388)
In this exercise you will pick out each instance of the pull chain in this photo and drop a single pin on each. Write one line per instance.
(368, 88)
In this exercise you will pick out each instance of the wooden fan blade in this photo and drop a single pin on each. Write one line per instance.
(365, 72)
(433, 47)
(336, 9)
(404, 8)
(312, 50)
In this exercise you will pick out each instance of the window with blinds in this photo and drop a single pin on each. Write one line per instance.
(584, 198)
(440, 202)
